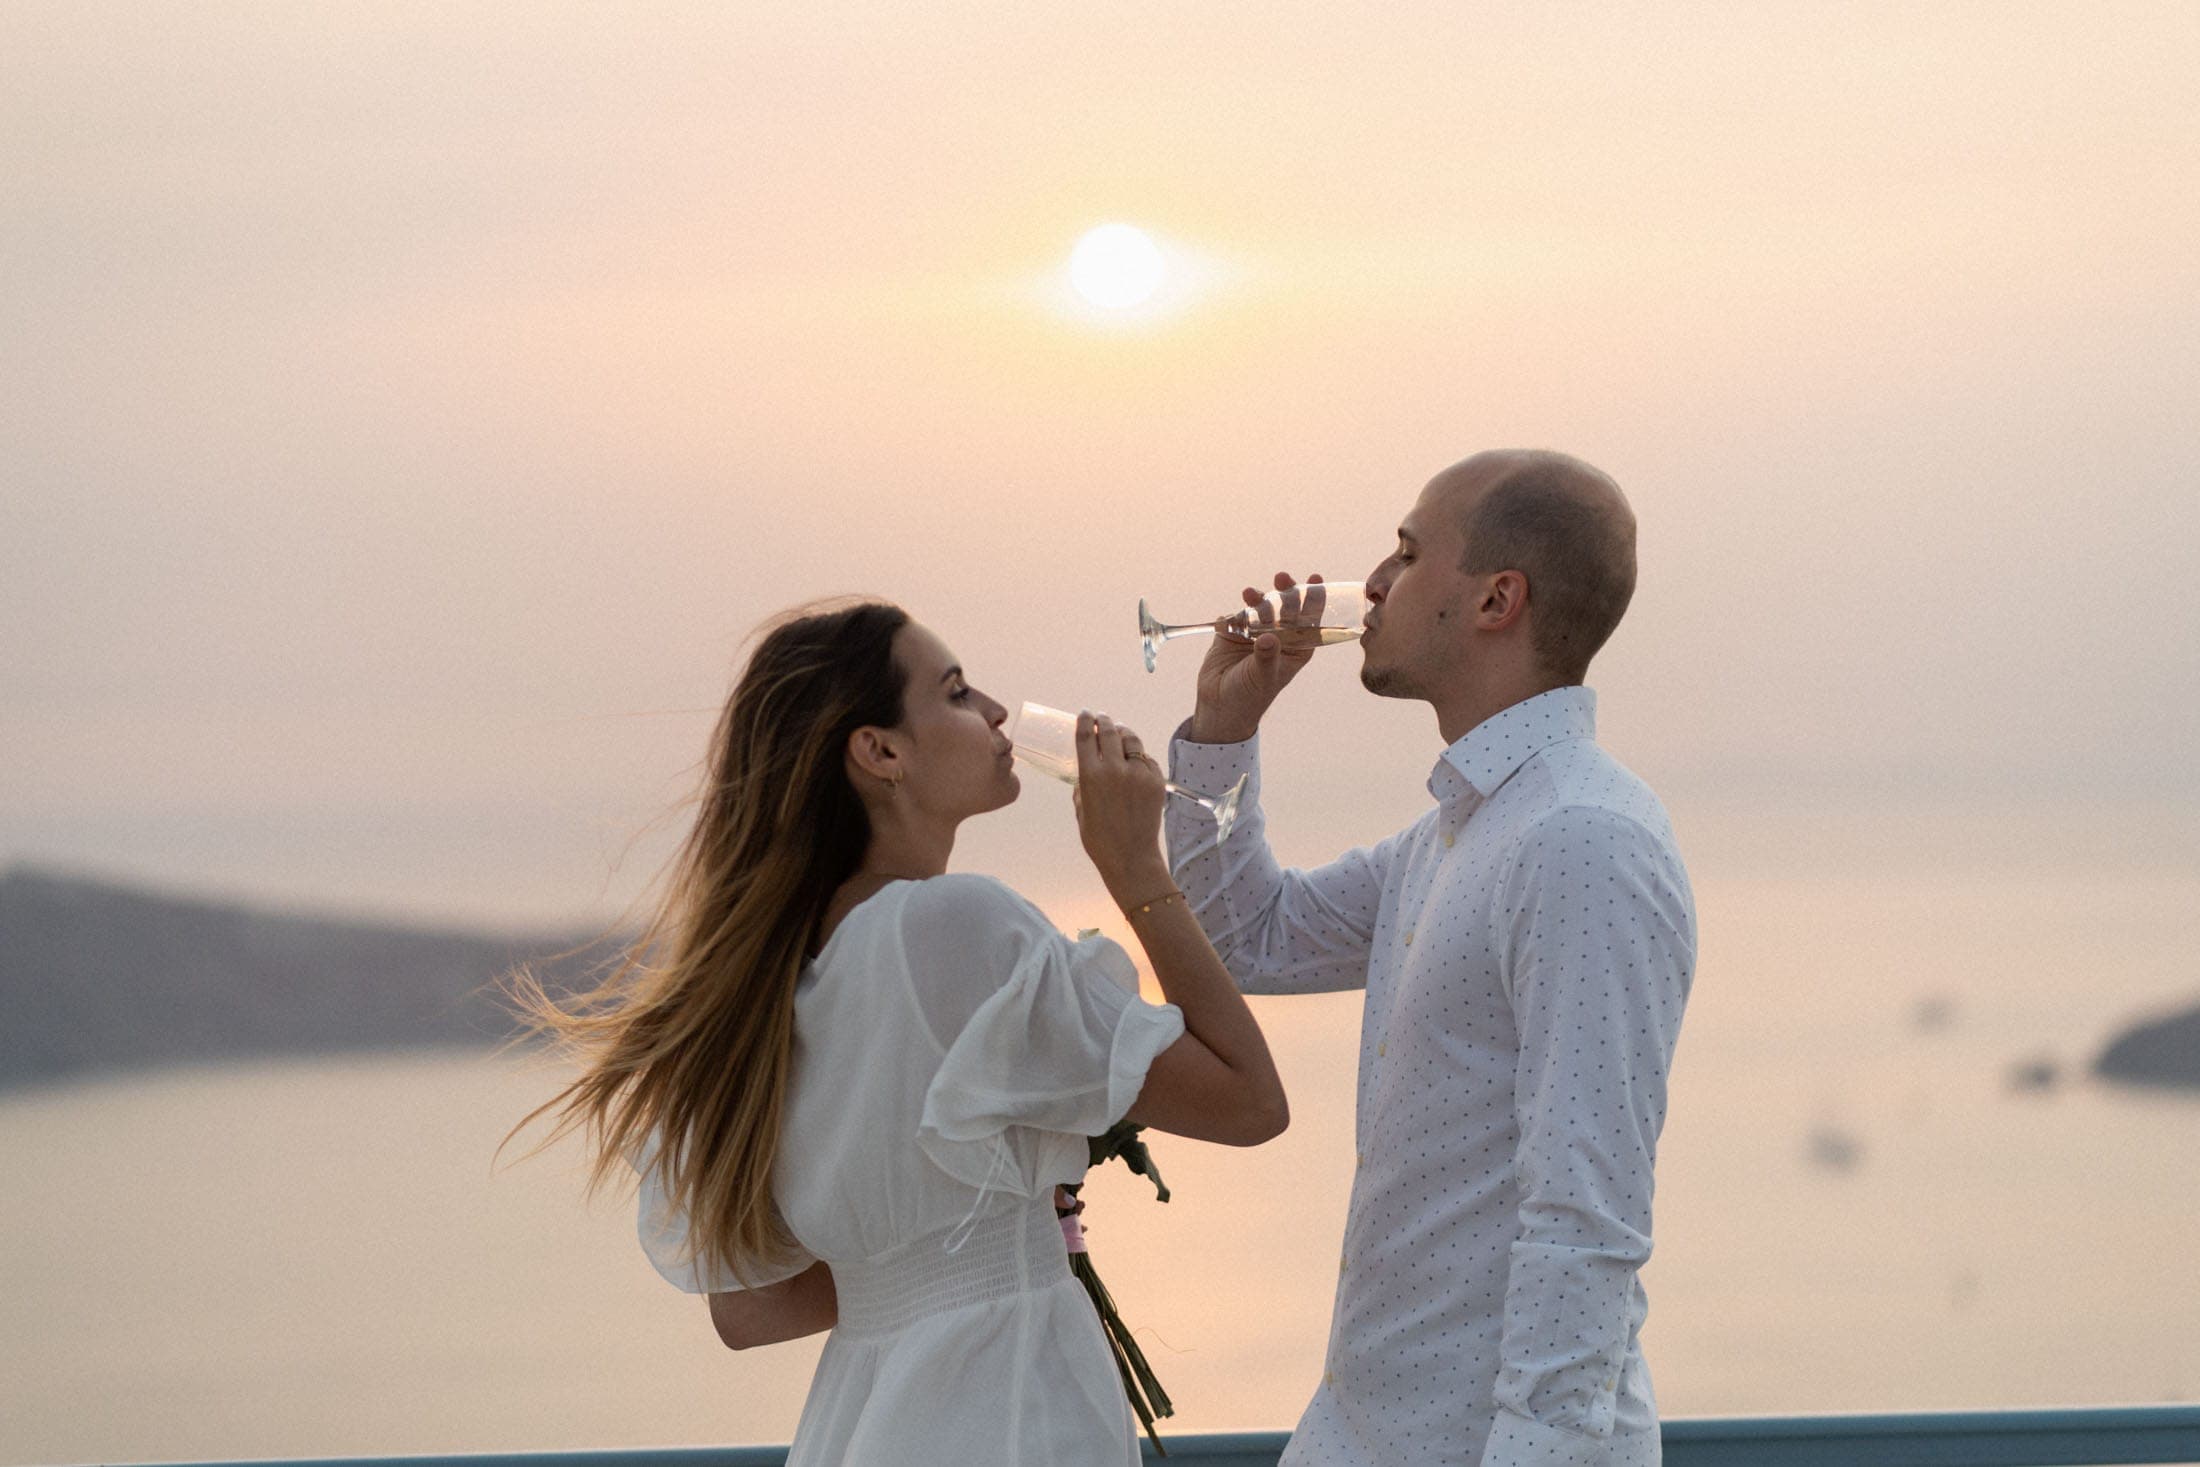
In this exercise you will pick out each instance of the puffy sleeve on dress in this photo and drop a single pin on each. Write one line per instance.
(1047, 1040)
(664, 1234)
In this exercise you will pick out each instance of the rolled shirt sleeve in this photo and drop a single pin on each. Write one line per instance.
(1599, 928)
(1276, 930)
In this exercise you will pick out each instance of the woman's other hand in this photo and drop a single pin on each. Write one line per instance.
(1118, 797)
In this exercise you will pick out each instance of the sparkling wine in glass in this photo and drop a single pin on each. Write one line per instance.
(1046, 739)
(1317, 614)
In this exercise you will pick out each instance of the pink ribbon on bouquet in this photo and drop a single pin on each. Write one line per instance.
(1073, 1227)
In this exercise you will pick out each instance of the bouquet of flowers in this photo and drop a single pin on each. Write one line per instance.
(1146, 1396)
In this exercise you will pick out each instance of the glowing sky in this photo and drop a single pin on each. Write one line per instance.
(401, 406)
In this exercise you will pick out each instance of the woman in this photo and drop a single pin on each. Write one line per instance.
(852, 1081)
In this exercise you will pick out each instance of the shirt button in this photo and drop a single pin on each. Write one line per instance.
(1382, 1049)
(1329, 1377)
(1340, 1265)
(1409, 937)
(1447, 842)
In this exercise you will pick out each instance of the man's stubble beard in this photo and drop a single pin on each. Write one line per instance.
(1386, 682)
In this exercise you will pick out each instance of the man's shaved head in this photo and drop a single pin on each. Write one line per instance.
(1565, 526)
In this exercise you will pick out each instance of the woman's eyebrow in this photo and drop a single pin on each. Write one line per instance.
(953, 672)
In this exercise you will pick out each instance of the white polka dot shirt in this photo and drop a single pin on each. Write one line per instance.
(1526, 948)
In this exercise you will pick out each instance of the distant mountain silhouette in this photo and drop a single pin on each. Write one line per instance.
(96, 977)
(2163, 1051)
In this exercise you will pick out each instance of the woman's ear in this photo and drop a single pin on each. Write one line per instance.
(871, 754)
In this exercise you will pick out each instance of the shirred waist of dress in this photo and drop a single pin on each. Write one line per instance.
(1002, 1254)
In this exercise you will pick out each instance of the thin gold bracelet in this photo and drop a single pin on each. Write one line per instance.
(1164, 899)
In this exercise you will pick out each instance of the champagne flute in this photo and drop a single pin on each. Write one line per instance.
(1317, 614)
(1046, 739)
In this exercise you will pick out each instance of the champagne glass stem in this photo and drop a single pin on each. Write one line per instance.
(1331, 612)
(1152, 632)
(1223, 807)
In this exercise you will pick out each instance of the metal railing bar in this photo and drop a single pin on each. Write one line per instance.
(2075, 1437)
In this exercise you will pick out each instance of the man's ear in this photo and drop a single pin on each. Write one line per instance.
(1503, 602)
(871, 752)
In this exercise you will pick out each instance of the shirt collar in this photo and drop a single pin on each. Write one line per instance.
(1493, 750)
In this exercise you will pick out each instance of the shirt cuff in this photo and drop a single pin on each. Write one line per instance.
(1188, 830)
(1515, 1441)
(1209, 768)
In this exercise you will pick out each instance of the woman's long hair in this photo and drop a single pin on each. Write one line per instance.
(687, 1044)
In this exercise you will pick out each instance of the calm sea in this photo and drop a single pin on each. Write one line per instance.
(1887, 1183)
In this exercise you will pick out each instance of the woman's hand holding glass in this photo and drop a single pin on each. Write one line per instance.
(1052, 742)
(1118, 796)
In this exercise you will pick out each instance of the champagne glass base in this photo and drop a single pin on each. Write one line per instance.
(1226, 808)
(1151, 634)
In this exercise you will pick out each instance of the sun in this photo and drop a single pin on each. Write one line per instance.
(1116, 267)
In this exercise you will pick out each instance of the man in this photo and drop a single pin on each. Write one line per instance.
(1526, 948)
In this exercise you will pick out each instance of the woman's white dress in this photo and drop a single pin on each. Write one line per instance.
(952, 1052)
